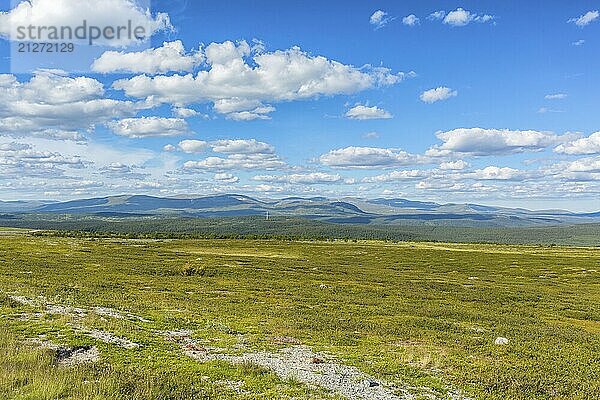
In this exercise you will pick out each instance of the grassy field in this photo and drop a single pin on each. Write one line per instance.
(422, 317)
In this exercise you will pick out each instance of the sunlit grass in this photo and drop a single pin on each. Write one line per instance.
(415, 314)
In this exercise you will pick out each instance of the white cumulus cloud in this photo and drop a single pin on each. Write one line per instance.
(459, 17)
(72, 13)
(406, 175)
(379, 19)
(236, 162)
(247, 154)
(149, 127)
(437, 15)
(367, 157)
(494, 173)
(240, 84)
(454, 165)
(193, 146)
(53, 104)
(242, 146)
(314, 178)
(590, 164)
(588, 145)
(361, 112)
(171, 57)
(481, 142)
(185, 112)
(226, 178)
(411, 20)
(586, 18)
(438, 94)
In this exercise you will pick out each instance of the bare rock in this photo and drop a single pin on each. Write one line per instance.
(501, 341)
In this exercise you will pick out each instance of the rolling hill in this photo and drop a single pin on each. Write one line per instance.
(342, 211)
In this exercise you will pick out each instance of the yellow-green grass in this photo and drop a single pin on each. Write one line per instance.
(421, 315)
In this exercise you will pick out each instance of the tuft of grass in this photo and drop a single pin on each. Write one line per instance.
(195, 269)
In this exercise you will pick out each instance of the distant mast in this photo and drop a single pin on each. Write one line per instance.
(267, 215)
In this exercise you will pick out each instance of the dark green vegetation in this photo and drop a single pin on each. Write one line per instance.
(297, 228)
(415, 314)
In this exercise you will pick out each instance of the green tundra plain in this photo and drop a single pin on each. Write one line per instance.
(422, 317)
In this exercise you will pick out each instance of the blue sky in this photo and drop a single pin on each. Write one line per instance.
(474, 101)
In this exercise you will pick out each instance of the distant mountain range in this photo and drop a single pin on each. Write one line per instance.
(345, 211)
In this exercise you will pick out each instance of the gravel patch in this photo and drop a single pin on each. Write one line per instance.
(302, 364)
(111, 339)
(65, 310)
(76, 312)
(30, 317)
(49, 308)
(112, 313)
(176, 335)
(69, 356)
(23, 300)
